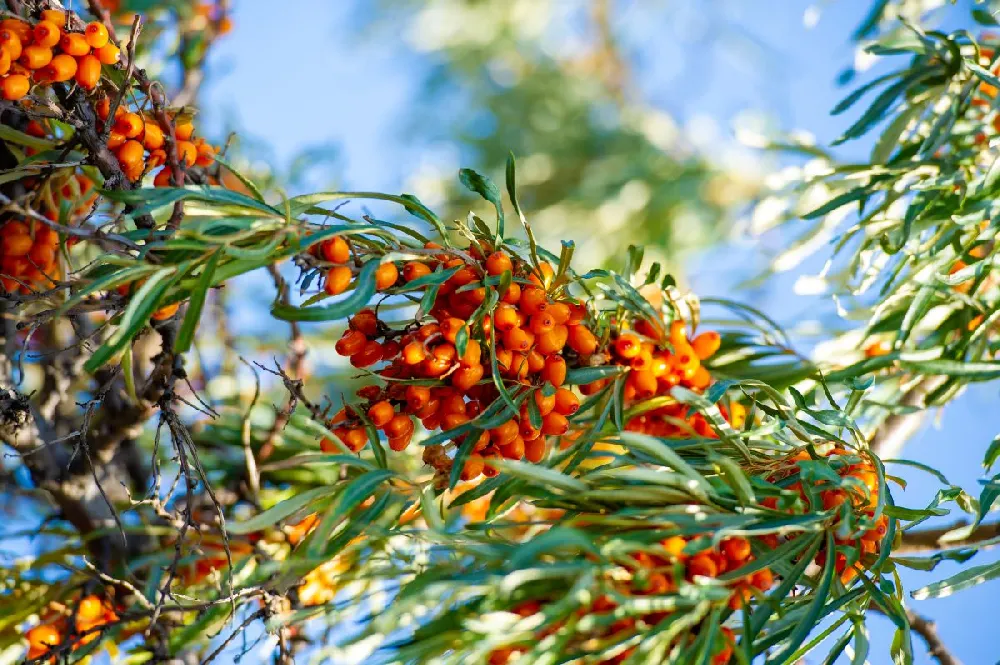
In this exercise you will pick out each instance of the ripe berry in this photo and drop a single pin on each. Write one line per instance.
(553, 340)
(46, 34)
(88, 73)
(35, 56)
(415, 270)
(706, 344)
(534, 450)
(74, 44)
(399, 425)
(337, 280)
(555, 370)
(386, 276)
(367, 356)
(96, 34)
(628, 345)
(467, 376)
(473, 467)
(581, 340)
(566, 402)
(533, 300)
(381, 413)
(518, 339)
(498, 263)
(555, 424)
(365, 321)
(109, 54)
(335, 250)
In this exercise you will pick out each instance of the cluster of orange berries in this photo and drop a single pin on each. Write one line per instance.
(661, 574)
(860, 494)
(138, 142)
(47, 52)
(661, 360)
(79, 625)
(440, 373)
(28, 256)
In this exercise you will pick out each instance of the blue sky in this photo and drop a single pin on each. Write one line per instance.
(330, 86)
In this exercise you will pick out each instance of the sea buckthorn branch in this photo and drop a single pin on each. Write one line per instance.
(929, 306)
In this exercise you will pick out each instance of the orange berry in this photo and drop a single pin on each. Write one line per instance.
(42, 638)
(555, 424)
(130, 125)
(337, 280)
(544, 275)
(89, 610)
(56, 16)
(545, 403)
(130, 152)
(166, 312)
(414, 353)
(553, 341)
(42, 255)
(16, 244)
(417, 397)
(96, 34)
(542, 323)
(187, 153)
(518, 339)
(335, 250)
(736, 550)
(473, 467)
(706, 344)
(555, 370)
(505, 433)
(350, 343)
(513, 450)
(534, 449)
(399, 425)
(46, 34)
(399, 443)
(366, 321)
(386, 276)
(35, 56)
(15, 86)
(11, 43)
(702, 564)
(533, 300)
(74, 44)
(628, 345)
(103, 108)
(206, 155)
(369, 355)
(763, 579)
(467, 376)
(355, 439)
(581, 340)
(61, 68)
(88, 74)
(115, 140)
(498, 263)
(109, 54)
(450, 327)
(184, 131)
(415, 270)
(381, 413)
(21, 29)
(505, 317)
(473, 353)
(566, 402)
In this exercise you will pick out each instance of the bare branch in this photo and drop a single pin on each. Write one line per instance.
(929, 540)
(928, 631)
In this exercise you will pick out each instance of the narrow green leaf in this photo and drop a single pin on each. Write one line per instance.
(193, 316)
